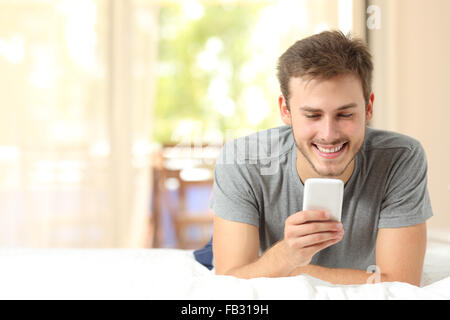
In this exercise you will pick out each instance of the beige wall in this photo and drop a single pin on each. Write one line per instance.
(412, 65)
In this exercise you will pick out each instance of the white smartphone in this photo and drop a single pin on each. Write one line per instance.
(324, 194)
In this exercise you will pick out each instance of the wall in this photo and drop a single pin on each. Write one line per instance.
(411, 54)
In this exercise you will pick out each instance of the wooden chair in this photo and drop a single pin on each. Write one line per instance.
(193, 228)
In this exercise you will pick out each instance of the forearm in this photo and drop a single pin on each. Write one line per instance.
(271, 264)
(337, 276)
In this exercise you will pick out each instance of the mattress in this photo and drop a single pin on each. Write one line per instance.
(174, 274)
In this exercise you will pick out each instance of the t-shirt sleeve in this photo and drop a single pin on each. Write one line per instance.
(233, 196)
(407, 201)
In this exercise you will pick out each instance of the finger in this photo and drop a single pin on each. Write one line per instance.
(312, 250)
(308, 215)
(313, 227)
(316, 238)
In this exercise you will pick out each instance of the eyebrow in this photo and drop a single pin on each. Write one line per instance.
(344, 107)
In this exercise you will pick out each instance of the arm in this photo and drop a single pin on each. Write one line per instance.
(236, 245)
(400, 253)
(399, 257)
(235, 251)
(335, 276)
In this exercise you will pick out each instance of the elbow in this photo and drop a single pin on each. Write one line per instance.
(221, 271)
(237, 272)
(415, 281)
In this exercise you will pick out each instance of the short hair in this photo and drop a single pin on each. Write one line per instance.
(324, 56)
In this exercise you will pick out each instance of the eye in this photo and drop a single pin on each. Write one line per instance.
(346, 115)
(312, 116)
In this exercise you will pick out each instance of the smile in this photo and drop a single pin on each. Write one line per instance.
(330, 152)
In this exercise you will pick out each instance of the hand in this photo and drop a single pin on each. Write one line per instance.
(308, 232)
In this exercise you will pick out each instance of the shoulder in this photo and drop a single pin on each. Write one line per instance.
(262, 145)
(392, 151)
(377, 139)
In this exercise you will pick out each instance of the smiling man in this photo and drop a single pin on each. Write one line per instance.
(326, 103)
(328, 137)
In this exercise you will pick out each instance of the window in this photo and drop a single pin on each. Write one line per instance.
(216, 76)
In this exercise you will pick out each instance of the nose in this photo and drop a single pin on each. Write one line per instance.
(329, 131)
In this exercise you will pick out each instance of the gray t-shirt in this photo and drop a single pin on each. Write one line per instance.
(256, 182)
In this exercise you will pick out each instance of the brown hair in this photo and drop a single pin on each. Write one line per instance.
(324, 56)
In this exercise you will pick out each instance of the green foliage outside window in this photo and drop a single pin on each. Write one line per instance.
(201, 73)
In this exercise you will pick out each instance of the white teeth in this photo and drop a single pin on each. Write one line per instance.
(332, 150)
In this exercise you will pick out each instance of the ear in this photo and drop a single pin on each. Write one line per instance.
(284, 111)
(369, 108)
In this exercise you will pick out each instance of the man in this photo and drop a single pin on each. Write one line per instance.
(326, 104)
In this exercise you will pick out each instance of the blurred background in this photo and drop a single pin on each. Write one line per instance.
(113, 111)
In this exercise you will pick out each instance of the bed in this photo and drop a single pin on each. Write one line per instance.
(174, 274)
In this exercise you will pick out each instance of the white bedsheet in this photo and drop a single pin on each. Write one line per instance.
(174, 274)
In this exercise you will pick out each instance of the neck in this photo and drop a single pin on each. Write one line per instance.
(306, 171)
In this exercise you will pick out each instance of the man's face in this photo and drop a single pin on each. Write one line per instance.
(328, 119)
